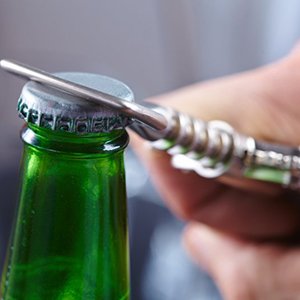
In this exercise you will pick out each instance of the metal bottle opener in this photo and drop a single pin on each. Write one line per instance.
(212, 149)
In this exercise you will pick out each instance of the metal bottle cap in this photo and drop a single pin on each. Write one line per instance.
(54, 109)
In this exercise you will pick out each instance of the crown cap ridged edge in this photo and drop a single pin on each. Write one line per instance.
(50, 108)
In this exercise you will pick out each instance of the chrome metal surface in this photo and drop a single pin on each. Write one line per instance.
(211, 149)
(130, 109)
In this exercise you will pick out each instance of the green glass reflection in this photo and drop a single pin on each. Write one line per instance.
(70, 239)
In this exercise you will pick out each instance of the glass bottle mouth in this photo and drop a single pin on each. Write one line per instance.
(65, 142)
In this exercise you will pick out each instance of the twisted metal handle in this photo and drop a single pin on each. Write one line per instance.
(214, 149)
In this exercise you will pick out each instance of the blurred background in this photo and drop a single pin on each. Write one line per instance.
(154, 47)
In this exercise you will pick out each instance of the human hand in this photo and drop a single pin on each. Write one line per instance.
(261, 103)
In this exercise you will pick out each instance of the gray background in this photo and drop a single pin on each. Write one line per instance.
(153, 46)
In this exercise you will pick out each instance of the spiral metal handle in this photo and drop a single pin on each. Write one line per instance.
(214, 149)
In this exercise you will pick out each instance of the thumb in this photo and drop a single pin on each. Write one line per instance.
(261, 102)
(244, 270)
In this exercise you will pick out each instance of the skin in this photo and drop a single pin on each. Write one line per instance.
(244, 233)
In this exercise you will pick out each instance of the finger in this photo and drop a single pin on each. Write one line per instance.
(243, 270)
(191, 197)
(257, 103)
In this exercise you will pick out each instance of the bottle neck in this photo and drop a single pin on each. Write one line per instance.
(73, 144)
(71, 227)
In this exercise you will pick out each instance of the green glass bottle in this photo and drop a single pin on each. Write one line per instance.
(70, 239)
